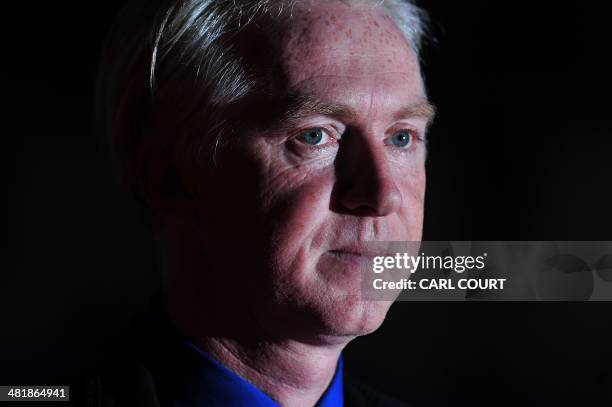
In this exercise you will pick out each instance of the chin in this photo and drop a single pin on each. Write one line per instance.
(324, 303)
(355, 317)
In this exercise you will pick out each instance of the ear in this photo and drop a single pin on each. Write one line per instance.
(165, 188)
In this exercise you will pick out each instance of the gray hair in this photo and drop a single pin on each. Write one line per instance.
(182, 67)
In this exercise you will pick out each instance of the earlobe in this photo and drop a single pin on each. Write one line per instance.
(164, 187)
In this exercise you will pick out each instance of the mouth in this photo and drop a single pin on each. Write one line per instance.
(349, 254)
(367, 250)
(345, 262)
(352, 258)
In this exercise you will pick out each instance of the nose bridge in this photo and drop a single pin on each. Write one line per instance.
(365, 176)
(373, 161)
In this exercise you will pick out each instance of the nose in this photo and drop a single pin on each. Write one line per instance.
(365, 184)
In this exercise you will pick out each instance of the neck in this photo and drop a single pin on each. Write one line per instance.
(292, 373)
(291, 369)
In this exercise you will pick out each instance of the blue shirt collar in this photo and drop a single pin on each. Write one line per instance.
(219, 386)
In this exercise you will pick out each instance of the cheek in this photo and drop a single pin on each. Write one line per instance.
(298, 208)
(413, 197)
(271, 211)
(297, 214)
(414, 186)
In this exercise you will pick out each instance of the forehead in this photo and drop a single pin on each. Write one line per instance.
(350, 52)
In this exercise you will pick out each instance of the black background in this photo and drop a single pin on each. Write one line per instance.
(521, 149)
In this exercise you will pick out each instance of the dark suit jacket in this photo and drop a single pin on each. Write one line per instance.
(150, 364)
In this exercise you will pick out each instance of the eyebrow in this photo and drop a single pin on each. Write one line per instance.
(304, 105)
(423, 109)
(307, 105)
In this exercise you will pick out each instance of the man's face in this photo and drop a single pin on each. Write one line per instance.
(295, 203)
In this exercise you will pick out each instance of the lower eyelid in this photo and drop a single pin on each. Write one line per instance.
(302, 149)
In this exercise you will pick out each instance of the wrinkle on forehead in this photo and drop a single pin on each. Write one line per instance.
(336, 38)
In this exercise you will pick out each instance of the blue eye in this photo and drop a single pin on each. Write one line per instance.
(314, 137)
(402, 139)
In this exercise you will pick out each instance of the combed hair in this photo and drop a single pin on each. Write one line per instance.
(173, 71)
